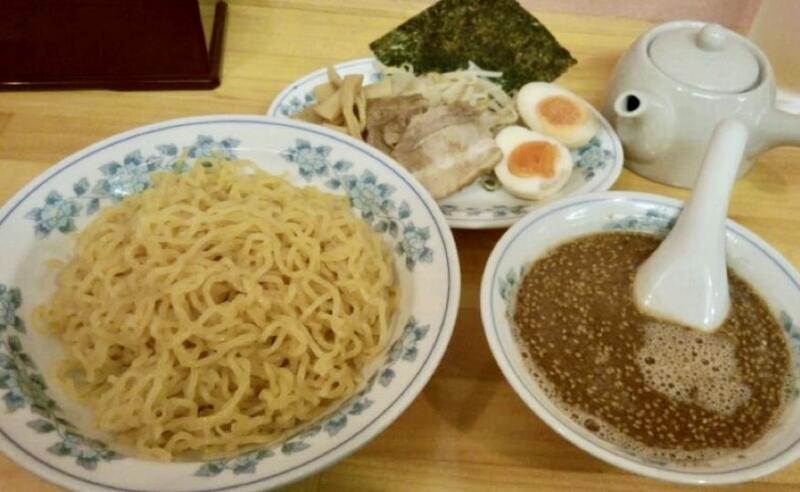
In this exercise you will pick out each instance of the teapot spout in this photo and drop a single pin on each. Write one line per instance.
(630, 104)
(644, 124)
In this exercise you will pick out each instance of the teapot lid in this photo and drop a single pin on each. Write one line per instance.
(711, 58)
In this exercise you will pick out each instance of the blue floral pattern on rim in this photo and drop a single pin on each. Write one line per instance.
(654, 221)
(371, 198)
(591, 158)
(496, 211)
(120, 179)
(507, 284)
(297, 104)
(792, 332)
(403, 349)
(25, 387)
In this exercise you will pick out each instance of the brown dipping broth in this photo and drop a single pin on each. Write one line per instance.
(637, 381)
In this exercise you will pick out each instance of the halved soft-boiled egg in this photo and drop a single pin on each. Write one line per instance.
(557, 112)
(534, 166)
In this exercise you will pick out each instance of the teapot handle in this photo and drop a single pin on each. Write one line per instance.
(779, 128)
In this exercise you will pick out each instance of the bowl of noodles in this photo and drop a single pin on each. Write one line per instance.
(216, 303)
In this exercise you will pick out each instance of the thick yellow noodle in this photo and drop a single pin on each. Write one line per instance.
(219, 310)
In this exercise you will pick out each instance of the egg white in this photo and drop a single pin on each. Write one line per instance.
(574, 135)
(531, 187)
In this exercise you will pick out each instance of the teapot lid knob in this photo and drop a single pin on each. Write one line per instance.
(711, 38)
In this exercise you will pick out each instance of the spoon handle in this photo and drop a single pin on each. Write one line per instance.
(685, 280)
(703, 217)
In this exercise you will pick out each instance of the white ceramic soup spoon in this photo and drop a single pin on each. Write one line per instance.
(686, 280)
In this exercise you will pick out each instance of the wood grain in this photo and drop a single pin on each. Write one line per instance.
(468, 430)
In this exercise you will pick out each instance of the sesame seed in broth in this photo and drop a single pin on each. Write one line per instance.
(658, 389)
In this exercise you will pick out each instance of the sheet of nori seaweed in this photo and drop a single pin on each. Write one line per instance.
(495, 34)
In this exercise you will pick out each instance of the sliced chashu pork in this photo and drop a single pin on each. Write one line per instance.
(446, 148)
(388, 118)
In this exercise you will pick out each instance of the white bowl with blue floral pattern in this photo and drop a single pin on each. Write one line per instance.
(484, 204)
(768, 272)
(49, 435)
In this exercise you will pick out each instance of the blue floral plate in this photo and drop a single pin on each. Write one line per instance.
(480, 206)
(53, 437)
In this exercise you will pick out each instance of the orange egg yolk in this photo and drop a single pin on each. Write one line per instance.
(560, 110)
(533, 159)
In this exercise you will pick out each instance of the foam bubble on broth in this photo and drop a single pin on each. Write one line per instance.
(692, 368)
(608, 433)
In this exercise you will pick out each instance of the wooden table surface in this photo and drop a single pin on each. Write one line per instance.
(468, 430)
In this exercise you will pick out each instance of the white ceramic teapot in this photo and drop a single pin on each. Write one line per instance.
(676, 83)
